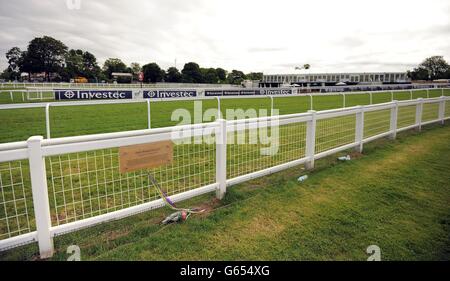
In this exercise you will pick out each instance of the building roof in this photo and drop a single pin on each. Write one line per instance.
(121, 74)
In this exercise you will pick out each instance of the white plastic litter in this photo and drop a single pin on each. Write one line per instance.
(345, 158)
(302, 178)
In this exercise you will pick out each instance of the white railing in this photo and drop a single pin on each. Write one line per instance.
(56, 186)
(47, 105)
(111, 85)
(45, 94)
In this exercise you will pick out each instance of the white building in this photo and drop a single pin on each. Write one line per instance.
(331, 79)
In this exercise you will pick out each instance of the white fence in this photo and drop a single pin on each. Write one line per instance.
(47, 106)
(48, 94)
(111, 85)
(56, 186)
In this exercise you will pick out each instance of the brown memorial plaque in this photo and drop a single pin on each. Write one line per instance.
(145, 156)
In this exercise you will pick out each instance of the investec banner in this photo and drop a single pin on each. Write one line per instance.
(164, 94)
(92, 95)
(264, 92)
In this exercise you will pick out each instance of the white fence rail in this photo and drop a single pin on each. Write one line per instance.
(110, 85)
(48, 94)
(46, 106)
(56, 186)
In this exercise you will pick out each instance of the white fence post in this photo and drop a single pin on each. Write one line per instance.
(419, 110)
(392, 96)
(359, 129)
(394, 121)
(343, 100)
(311, 102)
(411, 95)
(149, 116)
(442, 110)
(47, 120)
(40, 197)
(311, 140)
(221, 158)
(271, 105)
(12, 97)
(371, 98)
(219, 112)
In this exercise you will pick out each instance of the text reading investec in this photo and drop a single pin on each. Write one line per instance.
(169, 94)
(92, 95)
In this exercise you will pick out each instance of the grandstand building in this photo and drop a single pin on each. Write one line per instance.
(332, 79)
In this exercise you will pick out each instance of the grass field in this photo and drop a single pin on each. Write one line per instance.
(20, 124)
(396, 195)
(86, 184)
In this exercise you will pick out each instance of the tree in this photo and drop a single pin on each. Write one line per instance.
(15, 60)
(7, 74)
(173, 75)
(45, 54)
(191, 73)
(431, 68)
(113, 65)
(136, 68)
(91, 69)
(210, 75)
(81, 64)
(74, 63)
(255, 76)
(153, 73)
(221, 74)
(236, 77)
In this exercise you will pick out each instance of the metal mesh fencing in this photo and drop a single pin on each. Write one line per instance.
(246, 153)
(447, 109)
(430, 112)
(377, 122)
(406, 116)
(88, 184)
(335, 132)
(16, 205)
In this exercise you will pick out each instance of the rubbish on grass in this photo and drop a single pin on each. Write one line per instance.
(303, 178)
(176, 217)
(345, 158)
(181, 214)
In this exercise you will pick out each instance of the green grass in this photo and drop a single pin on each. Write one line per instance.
(20, 124)
(396, 195)
(72, 189)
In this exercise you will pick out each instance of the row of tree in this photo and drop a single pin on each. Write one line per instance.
(432, 68)
(52, 57)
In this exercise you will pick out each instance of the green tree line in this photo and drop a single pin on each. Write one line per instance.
(59, 63)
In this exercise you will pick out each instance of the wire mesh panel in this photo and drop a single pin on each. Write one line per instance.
(377, 122)
(16, 205)
(335, 132)
(88, 184)
(246, 153)
(430, 112)
(447, 108)
(406, 116)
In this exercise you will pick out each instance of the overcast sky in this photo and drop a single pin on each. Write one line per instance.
(272, 36)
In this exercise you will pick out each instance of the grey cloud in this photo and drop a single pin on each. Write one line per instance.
(162, 30)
